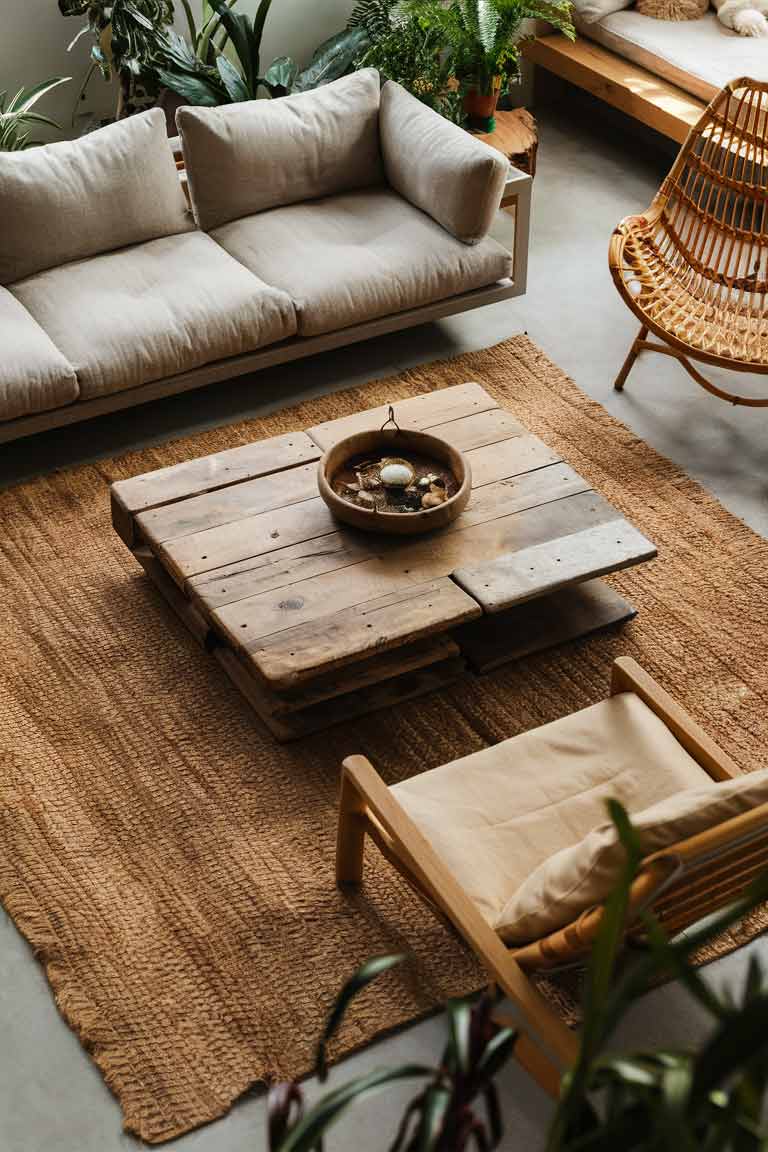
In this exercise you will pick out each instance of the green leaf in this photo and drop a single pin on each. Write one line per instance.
(306, 1134)
(360, 980)
(195, 90)
(334, 58)
(433, 1111)
(232, 80)
(459, 1025)
(27, 97)
(280, 75)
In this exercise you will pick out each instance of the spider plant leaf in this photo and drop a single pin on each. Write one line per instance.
(232, 80)
(356, 983)
(26, 98)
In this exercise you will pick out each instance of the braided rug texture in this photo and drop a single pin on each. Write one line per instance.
(172, 866)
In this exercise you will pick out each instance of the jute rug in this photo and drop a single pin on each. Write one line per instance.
(172, 866)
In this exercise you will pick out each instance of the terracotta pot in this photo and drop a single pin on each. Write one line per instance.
(482, 105)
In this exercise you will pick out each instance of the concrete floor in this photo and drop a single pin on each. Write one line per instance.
(51, 1096)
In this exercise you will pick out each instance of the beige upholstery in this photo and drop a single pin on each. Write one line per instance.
(352, 258)
(129, 317)
(34, 376)
(583, 875)
(699, 56)
(245, 158)
(74, 199)
(498, 814)
(439, 167)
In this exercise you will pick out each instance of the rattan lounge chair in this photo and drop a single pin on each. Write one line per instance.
(439, 850)
(694, 267)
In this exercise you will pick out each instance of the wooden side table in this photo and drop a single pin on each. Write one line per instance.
(515, 136)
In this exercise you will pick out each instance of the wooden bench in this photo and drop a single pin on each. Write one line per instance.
(633, 90)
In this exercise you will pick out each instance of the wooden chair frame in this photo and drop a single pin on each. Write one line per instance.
(698, 251)
(682, 884)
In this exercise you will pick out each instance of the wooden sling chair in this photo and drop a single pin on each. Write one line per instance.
(694, 267)
(438, 830)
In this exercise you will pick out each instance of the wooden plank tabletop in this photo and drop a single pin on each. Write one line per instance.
(296, 597)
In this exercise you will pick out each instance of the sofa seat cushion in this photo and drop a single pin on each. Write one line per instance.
(34, 375)
(496, 815)
(76, 198)
(352, 258)
(129, 317)
(699, 56)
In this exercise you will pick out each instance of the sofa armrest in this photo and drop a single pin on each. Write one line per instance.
(438, 167)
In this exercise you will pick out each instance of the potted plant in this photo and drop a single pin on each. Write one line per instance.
(481, 38)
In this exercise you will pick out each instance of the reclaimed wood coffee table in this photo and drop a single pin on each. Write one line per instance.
(316, 622)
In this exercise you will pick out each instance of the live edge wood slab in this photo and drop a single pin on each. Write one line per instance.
(316, 622)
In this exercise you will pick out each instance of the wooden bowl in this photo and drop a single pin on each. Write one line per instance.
(395, 442)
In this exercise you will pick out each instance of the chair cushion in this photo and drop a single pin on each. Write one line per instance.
(155, 310)
(355, 257)
(245, 158)
(498, 814)
(34, 376)
(438, 167)
(583, 875)
(74, 199)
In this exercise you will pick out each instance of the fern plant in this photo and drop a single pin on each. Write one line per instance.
(482, 37)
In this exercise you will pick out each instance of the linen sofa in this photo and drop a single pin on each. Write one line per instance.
(317, 220)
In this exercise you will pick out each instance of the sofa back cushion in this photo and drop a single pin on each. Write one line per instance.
(578, 877)
(71, 200)
(245, 158)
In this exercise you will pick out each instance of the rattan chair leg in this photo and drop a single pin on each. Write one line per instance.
(626, 367)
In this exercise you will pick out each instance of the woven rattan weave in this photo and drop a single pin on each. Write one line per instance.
(694, 267)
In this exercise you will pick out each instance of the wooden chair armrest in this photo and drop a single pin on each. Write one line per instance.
(370, 792)
(628, 676)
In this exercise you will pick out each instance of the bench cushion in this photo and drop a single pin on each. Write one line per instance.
(34, 376)
(74, 199)
(699, 56)
(245, 158)
(126, 318)
(496, 815)
(352, 258)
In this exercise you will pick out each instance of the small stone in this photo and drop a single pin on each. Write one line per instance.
(396, 474)
(366, 499)
(432, 500)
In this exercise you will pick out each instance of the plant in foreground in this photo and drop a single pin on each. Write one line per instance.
(705, 1100)
(17, 115)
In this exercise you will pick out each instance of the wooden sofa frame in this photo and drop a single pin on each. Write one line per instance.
(681, 885)
(517, 195)
(626, 86)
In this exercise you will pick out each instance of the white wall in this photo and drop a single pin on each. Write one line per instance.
(33, 46)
